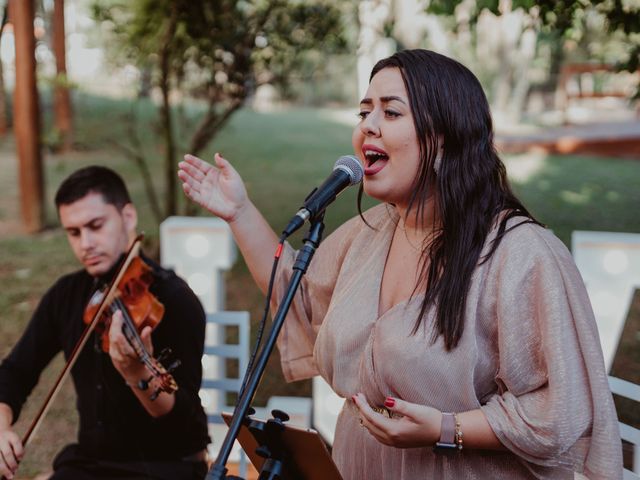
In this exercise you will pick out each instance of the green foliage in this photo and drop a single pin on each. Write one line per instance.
(570, 19)
(229, 46)
(218, 51)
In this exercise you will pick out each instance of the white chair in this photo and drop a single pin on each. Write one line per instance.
(627, 432)
(217, 385)
(609, 263)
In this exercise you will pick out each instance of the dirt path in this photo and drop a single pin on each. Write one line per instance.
(611, 139)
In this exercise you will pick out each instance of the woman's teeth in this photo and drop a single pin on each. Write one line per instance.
(373, 157)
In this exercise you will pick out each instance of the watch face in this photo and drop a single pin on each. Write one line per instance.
(445, 445)
(445, 448)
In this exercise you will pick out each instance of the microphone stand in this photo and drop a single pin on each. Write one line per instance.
(218, 470)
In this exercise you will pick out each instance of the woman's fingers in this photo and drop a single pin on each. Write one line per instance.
(374, 421)
(188, 172)
(199, 176)
(221, 161)
(413, 425)
(193, 174)
(196, 166)
(218, 187)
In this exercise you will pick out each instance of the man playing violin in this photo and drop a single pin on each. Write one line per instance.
(124, 430)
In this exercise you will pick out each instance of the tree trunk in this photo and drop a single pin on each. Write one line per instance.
(524, 58)
(166, 120)
(26, 116)
(62, 103)
(210, 125)
(372, 44)
(4, 123)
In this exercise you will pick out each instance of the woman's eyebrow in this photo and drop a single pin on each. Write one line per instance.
(392, 97)
(386, 99)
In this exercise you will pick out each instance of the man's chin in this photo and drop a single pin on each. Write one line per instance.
(97, 269)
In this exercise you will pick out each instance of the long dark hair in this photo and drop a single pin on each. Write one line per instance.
(449, 106)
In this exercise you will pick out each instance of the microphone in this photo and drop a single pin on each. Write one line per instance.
(347, 171)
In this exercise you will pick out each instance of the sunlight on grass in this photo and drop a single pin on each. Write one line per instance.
(582, 193)
(521, 168)
(576, 198)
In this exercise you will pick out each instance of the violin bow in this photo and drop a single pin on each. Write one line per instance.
(133, 252)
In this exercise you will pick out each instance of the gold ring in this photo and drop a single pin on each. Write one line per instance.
(384, 411)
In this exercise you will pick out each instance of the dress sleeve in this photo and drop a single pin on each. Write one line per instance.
(554, 406)
(310, 304)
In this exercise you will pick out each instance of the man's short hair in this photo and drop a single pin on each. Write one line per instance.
(93, 179)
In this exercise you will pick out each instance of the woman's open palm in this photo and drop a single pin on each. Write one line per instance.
(217, 188)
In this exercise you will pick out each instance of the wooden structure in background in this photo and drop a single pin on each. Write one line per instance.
(26, 114)
(582, 77)
(598, 137)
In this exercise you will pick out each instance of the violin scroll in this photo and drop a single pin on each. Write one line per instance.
(164, 381)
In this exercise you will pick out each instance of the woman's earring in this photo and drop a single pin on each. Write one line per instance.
(438, 161)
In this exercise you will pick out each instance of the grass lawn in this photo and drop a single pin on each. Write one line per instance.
(281, 156)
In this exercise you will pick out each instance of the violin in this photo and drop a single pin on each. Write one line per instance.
(129, 293)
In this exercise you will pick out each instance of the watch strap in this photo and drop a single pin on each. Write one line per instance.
(447, 431)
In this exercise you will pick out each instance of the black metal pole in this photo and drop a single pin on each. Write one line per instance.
(218, 470)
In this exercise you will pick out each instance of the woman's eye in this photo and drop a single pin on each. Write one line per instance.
(362, 115)
(391, 113)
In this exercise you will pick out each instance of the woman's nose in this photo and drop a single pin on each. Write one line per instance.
(369, 126)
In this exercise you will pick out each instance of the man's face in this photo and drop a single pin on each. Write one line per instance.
(98, 232)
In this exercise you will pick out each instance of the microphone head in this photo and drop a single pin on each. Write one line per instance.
(351, 165)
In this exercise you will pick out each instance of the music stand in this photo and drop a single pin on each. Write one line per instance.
(305, 454)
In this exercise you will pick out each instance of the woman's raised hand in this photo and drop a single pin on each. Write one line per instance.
(218, 188)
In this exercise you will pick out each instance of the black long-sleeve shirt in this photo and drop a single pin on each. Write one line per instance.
(113, 423)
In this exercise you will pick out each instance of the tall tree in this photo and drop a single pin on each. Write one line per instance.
(218, 52)
(4, 123)
(62, 102)
(26, 114)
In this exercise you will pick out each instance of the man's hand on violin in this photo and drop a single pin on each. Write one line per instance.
(11, 452)
(122, 354)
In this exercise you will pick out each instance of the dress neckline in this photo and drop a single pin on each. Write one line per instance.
(385, 249)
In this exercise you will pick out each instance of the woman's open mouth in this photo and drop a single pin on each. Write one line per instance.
(375, 159)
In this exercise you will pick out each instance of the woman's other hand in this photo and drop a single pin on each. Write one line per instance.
(416, 425)
(218, 188)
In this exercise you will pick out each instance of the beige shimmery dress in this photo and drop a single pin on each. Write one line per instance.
(529, 357)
